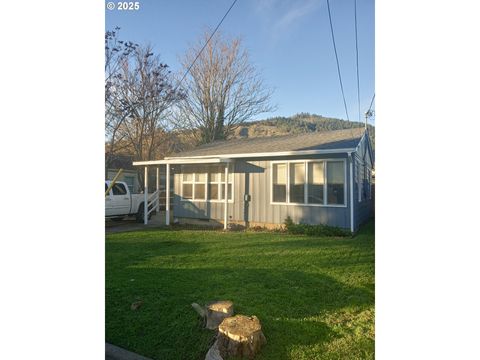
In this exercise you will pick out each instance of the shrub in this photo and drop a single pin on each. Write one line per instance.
(314, 230)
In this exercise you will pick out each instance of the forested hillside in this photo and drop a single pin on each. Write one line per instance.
(297, 124)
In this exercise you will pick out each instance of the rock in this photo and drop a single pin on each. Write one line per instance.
(199, 309)
(136, 305)
(213, 353)
(240, 336)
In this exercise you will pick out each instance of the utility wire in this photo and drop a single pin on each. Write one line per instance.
(371, 103)
(204, 46)
(336, 57)
(356, 52)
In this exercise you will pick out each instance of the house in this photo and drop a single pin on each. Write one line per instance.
(314, 178)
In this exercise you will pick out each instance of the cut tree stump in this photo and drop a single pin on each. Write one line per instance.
(217, 312)
(214, 312)
(240, 336)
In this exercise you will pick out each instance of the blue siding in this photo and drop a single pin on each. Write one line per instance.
(252, 177)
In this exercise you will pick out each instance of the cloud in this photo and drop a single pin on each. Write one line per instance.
(281, 15)
(296, 13)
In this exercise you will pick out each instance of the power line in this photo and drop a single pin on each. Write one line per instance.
(204, 46)
(336, 57)
(371, 103)
(356, 52)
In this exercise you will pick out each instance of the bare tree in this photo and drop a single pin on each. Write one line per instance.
(223, 89)
(144, 94)
(116, 53)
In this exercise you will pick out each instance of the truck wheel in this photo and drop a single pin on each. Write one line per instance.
(139, 215)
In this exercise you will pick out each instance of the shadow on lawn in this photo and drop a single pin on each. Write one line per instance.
(283, 300)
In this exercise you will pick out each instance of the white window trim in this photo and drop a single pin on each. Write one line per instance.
(306, 161)
(207, 192)
(193, 183)
(220, 183)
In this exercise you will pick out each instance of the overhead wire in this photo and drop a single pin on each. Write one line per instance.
(371, 103)
(336, 58)
(356, 53)
(205, 45)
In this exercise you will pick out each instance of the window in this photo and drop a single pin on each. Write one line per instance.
(230, 186)
(130, 180)
(119, 189)
(309, 182)
(315, 182)
(207, 186)
(187, 186)
(335, 183)
(297, 182)
(279, 182)
(199, 186)
(216, 186)
(193, 186)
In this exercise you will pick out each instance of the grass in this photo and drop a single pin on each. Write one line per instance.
(314, 296)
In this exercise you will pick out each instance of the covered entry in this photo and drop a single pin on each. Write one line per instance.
(152, 201)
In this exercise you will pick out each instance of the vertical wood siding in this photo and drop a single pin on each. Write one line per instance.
(252, 177)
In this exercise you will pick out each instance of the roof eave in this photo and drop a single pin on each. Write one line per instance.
(265, 154)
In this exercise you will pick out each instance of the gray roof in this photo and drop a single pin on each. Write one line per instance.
(327, 140)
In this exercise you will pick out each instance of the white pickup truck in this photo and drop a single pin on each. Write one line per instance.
(119, 202)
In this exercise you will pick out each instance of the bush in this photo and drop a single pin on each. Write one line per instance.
(314, 230)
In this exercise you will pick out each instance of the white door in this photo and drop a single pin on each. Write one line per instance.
(120, 200)
(108, 203)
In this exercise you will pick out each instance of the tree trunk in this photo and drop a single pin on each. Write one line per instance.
(240, 336)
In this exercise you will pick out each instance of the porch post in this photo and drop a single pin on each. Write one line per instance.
(158, 189)
(225, 210)
(145, 197)
(167, 194)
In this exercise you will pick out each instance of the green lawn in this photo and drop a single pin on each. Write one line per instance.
(313, 296)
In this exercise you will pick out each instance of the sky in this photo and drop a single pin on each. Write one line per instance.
(289, 42)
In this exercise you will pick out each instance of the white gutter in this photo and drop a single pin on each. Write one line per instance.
(264, 154)
(182, 161)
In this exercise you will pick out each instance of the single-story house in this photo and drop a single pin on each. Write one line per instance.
(314, 178)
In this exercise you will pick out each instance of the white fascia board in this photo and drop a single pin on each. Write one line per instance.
(266, 154)
(215, 160)
(361, 139)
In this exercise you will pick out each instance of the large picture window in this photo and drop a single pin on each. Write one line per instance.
(309, 182)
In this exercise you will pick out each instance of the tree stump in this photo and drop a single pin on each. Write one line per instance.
(214, 313)
(240, 336)
(217, 312)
